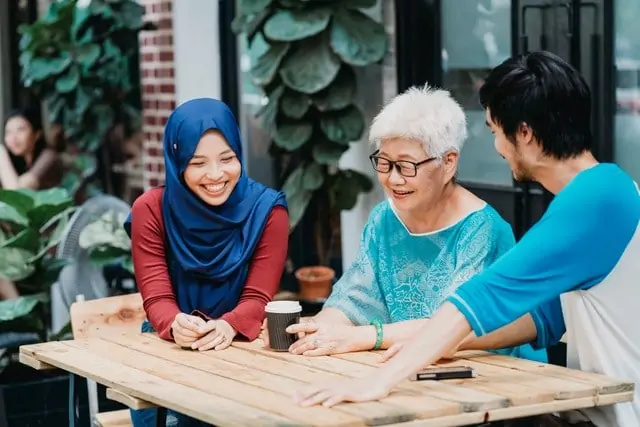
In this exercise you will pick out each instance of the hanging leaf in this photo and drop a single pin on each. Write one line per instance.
(292, 25)
(250, 7)
(11, 215)
(87, 55)
(297, 197)
(28, 239)
(16, 308)
(347, 186)
(358, 4)
(311, 67)
(328, 153)
(21, 200)
(69, 81)
(43, 68)
(295, 104)
(357, 39)
(292, 136)
(266, 66)
(339, 94)
(343, 126)
(14, 264)
(269, 112)
(313, 177)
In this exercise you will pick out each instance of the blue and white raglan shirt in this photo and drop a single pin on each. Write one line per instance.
(576, 270)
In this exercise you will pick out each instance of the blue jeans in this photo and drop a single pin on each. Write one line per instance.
(147, 417)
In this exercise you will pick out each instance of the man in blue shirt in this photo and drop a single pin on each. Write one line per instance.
(575, 271)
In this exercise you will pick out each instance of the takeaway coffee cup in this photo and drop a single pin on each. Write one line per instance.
(280, 315)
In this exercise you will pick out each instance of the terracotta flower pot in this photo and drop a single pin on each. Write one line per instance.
(315, 282)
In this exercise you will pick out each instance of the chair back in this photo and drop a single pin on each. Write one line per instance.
(120, 313)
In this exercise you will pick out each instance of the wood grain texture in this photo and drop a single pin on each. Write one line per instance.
(247, 384)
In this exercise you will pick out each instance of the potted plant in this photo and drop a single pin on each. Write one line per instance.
(304, 55)
(31, 225)
(77, 59)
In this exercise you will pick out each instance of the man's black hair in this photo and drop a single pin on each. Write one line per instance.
(548, 94)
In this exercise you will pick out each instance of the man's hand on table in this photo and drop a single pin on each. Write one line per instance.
(351, 390)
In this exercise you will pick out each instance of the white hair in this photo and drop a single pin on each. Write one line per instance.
(426, 115)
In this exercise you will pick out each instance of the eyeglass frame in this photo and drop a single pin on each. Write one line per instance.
(393, 164)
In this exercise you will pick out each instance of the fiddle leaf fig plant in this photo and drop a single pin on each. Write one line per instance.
(76, 58)
(303, 57)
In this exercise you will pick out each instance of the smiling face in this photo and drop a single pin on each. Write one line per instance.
(518, 154)
(19, 136)
(214, 169)
(413, 194)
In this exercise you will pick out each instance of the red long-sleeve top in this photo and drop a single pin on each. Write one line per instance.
(152, 274)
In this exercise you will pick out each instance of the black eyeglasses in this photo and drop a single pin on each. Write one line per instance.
(404, 167)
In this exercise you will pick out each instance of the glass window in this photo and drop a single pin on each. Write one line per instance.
(627, 62)
(476, 36)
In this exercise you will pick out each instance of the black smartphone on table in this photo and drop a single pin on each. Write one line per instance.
(444, 373)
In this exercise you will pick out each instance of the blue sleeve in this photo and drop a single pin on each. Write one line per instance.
(549, 323)
(357, 293)
(484, 238)
(575, 245)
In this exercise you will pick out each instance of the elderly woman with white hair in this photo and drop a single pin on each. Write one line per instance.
(419, 245)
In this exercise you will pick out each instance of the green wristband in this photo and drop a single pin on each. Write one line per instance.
(379, 336)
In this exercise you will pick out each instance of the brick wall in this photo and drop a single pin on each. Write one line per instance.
(158, 86)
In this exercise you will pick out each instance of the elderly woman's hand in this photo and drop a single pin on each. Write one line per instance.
(264, 333)
(321, 339)
(219, 337)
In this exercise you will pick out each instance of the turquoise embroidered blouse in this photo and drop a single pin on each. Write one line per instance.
(401, 276)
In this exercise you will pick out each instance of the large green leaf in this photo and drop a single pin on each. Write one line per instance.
(358, 4)
(22, 314)
(327, 152)
(297, 197)
(266, 66)
(311, 67)
(347, 186)
(43, 68)
(357, 39)
(292, 136)
(269, 112)
(21, 200)
(27, 239)
(340, 93)
(16, 308)
(87, 55)
(131, 14)
(343, 126)
(250, 7)
(49, 203)
(11, 215)
(313, 177)
(69, 81)
(295, 104)
(14, 264)
(292, 25)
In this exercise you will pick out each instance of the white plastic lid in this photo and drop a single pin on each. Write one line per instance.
(283, 307)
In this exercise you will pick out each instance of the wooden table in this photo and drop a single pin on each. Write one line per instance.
(247, 385)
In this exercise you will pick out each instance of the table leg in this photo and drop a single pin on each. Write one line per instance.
(161, 417)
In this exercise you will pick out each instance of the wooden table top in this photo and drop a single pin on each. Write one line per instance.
(248, 385)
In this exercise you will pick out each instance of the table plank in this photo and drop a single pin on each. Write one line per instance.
(128, 354)
(159, 391)
(603, 384)
(468, 399)
(522, 386)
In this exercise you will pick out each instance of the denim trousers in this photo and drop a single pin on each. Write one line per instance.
(147, 417)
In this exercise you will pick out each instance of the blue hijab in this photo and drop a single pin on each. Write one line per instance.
(209, 248)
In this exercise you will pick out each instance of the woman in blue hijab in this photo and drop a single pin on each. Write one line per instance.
(209, 247)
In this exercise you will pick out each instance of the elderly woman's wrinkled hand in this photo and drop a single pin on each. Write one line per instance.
(264, 332)
(321, 339)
